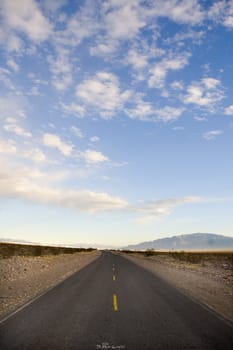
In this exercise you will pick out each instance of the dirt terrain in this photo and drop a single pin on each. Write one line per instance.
(207, 278)
(24, 277)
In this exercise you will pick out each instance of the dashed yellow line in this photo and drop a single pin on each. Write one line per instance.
(115, 305)
(114, 278)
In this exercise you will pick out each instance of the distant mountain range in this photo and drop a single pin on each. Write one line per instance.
(189, 241)
(182, 242)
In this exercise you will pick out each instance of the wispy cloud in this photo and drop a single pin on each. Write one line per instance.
(222, 12)
(205, 93)
(74, 109)
(13, 65)
(104, 93)
(94, 157)
(61, 69)
(16, 129)
(12, 106)
(168, 114)
(189, 12)
(228, 110)
(152, 210)
(76, 131)
(54, 141)
(160, 70)
(210, 135)
(32, 185)
(26, 17)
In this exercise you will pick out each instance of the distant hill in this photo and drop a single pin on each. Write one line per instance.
(190, 241)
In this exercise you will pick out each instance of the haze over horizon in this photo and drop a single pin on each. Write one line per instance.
(116, 120)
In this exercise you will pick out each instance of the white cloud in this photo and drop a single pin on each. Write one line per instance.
(94, 157)
(177, 85)
(180, 11)
(25, 16)
(53, 5)
(12, 106)
(80, 26)
(104, 93)
(104, 48)
(94, 139)
(142, 110)
(136, 59)
(61, 69)
(153, 210)
(14, 43)
(210, 135)
(73, 109)
(160, 70)
(13, 65)
(76, 131)
(168, 114)
(5, 78)
(12, 125)
(123, 19)
(200, 119)
(228, 110)
(179, 38)
(54, 141)
(34, 154)
(34, 91)
(205, 93)
(210, 83)
(33, 185)
(25, 150)
(222, 12)
(7, 147)
(17, 129)
(178, 128)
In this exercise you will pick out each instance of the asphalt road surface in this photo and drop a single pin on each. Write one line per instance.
(114, 304)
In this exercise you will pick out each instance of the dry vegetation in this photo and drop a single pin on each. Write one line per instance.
(11, 249)
(192, 256)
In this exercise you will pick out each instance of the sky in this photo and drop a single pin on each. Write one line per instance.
(116, 119)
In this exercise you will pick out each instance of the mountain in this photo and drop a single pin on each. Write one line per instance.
(189, 241)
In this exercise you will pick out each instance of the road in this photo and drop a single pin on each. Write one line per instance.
(114, 304)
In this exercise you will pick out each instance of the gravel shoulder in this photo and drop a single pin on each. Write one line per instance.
(24, 277)
(210, 282)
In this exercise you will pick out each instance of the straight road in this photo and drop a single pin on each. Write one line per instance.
(114, 304)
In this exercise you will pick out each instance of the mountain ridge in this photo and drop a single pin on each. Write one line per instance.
(187, 241)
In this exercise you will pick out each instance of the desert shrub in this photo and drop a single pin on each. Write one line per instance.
(149, 253)
(191, 257)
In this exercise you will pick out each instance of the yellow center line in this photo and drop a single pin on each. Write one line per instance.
(114, 278)
(115, 306)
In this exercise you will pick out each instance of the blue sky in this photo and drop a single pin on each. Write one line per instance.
(116, 119)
